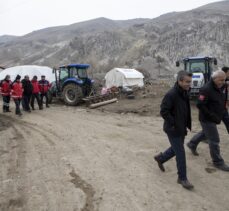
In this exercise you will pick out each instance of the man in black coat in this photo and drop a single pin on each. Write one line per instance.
(201, 136)
(211, 105)
(176, 112)
(27, 93)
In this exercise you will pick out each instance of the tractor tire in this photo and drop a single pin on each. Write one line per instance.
(72, 94)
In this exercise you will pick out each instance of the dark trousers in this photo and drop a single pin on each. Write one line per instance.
(226, 120)
(196, 139)
(37, 97)
(6, 103)
(211, 132)
(26, 102)
(201, 136)
(17, 104)
(176, 149)
(46, 99)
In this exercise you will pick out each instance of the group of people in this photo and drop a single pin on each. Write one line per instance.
(24, 92)
(212, 103)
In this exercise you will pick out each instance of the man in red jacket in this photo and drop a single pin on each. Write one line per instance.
(5, 91)
(17, 94)
(44, 87)
(35, 93)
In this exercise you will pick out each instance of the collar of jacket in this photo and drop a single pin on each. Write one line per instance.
(214, 86)
(181, 91)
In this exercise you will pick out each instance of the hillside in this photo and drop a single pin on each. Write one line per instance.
(150, 45)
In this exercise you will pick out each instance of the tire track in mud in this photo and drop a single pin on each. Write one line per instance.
(13, 191)
(86, 188)
(23, 130)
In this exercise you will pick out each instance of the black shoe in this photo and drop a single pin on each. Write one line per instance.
(8, 110)
(160, 164)
(222, 167)
(194, 152)
(47, 106)
(185, 184)
(33, 109)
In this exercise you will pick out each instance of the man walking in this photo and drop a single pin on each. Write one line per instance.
(211, 105)
(44, 87)
(5, 91)
(27, 92)
(35, 93)
(17, 94)
(176, 112)
(201, 136)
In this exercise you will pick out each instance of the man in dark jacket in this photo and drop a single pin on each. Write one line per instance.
(201, 136)
(176, 112)
(27, 93)
(211, 105)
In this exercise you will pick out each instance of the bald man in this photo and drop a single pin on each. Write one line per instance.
(211, 105)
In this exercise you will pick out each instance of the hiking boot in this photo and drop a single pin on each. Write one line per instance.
(185, 184)
(222, 167)
(193, 150)
(160, 164)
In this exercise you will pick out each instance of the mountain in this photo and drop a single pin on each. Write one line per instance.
(150, 45)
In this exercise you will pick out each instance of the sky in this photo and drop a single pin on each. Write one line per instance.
(19, 17)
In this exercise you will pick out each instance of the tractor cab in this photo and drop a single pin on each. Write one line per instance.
(201, 69)
(76, 73)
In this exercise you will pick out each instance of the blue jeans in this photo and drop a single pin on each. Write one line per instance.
(176, 149)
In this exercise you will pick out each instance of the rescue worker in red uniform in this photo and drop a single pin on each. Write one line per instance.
(35, 93)
(5, 91)
(17, 91)
(44, 86)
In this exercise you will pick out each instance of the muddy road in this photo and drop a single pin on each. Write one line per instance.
(72, 159)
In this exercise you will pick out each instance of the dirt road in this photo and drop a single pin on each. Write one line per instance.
(70, 159)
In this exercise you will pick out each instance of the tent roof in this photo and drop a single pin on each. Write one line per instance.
(129, 73)
(30, 70)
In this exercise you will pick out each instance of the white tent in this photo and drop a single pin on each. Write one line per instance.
(124, 77)
(30, 70)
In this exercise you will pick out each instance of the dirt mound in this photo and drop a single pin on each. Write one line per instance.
(143, 101)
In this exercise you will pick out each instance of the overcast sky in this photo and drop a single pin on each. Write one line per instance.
(19, 17)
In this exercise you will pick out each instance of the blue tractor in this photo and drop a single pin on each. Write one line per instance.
(72, 83)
